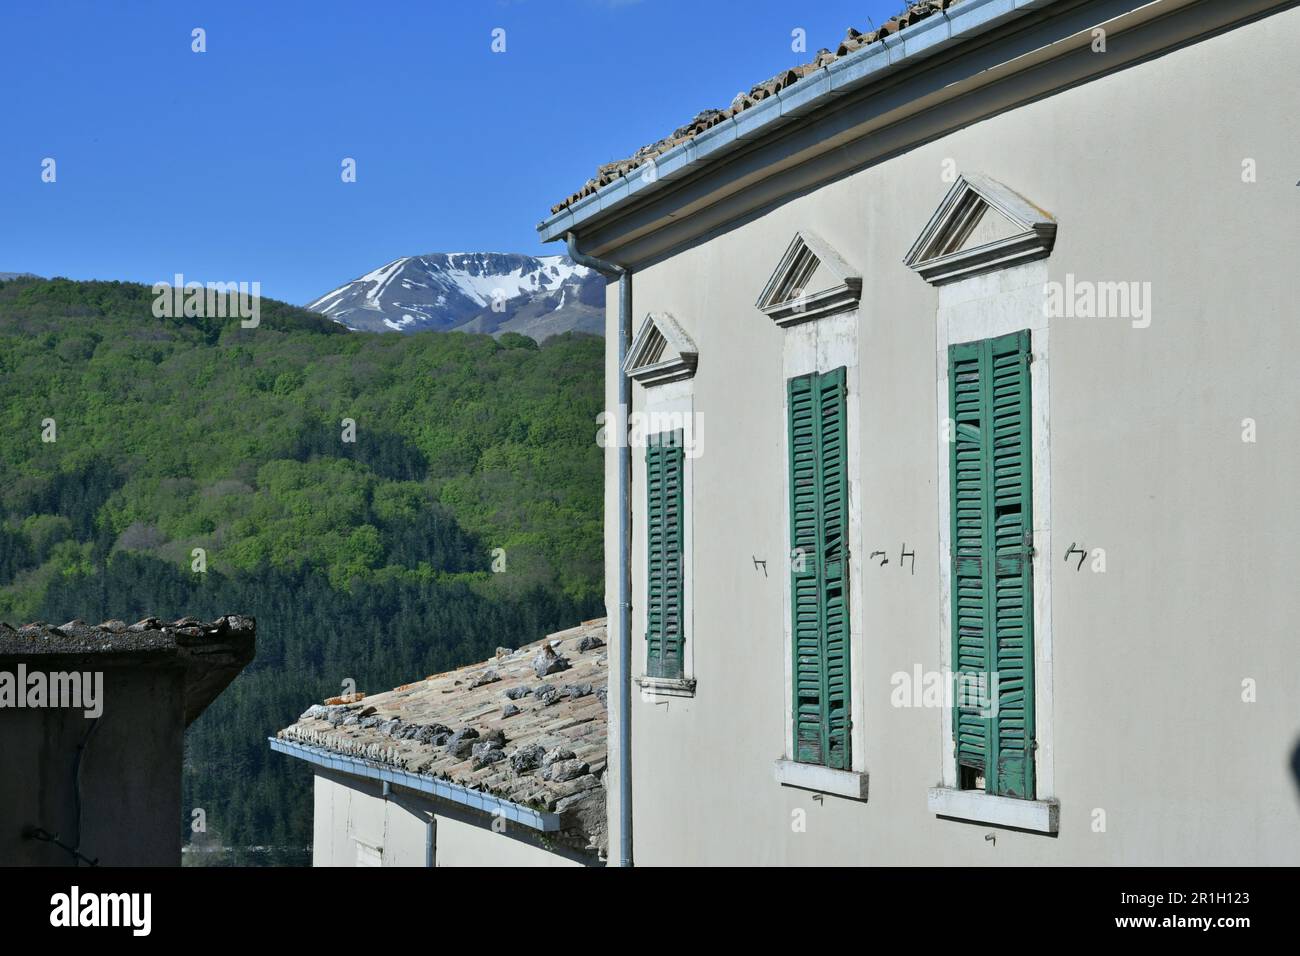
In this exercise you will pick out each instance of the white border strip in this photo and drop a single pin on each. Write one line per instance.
(983, 307)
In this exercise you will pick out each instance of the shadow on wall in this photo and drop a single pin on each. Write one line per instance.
(1295, 764)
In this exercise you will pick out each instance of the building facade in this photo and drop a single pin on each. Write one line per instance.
(963, 447)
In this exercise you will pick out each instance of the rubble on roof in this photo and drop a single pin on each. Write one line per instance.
(528, 726)
(211, 653)
(707, 119)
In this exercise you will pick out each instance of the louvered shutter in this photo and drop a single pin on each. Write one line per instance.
(805, 593)
(819, 568)
(833, 463)
(665, 462)
(992, 573)
(1012, 585)
(970, 625)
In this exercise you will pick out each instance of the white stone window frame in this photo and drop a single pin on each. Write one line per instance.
(981, 307)
(824, 345)
(664, 391)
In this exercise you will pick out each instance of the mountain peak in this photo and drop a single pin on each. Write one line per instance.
(492, 292)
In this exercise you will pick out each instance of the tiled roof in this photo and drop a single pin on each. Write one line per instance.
(712, 117)
(527, 726)
(211, 653)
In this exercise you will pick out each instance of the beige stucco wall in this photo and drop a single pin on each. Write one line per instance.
(1142, 170)
(466, 844)
(355, 825)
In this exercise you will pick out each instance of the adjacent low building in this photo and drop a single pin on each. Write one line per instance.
(92, 727)
(500, 763)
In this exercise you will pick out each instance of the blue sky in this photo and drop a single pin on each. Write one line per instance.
(225, 165)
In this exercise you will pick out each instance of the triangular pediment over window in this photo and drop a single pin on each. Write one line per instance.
(661, 352)
(812, 281)
(980, 226)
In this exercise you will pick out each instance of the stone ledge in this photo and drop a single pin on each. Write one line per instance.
(666, 686)
(1038, 816)
(807, 776)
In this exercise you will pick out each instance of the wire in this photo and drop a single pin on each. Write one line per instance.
(45, 836)
(76, 784)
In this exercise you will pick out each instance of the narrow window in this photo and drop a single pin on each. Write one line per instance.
(992, 565)
(819, 568)
(665, 635)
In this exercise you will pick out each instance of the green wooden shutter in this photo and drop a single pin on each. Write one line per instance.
(805, 593)
(1012, 579)
(992, 572)
(970, 626)
(835, 562)
(819, 588)
(665, 631)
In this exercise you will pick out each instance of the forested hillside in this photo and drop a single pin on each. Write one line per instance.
(128, 441)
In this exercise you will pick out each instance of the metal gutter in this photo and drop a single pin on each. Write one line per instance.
(624, 532)
(846, 75)
(442, 789)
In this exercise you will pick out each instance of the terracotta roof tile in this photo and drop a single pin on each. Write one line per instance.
(412, 726)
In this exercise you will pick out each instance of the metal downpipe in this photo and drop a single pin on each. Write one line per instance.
(624, 664)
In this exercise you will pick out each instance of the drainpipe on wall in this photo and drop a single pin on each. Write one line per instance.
(624, 670)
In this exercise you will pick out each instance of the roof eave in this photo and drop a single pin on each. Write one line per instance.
(540, 820)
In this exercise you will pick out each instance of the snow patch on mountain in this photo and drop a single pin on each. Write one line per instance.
(471, 291)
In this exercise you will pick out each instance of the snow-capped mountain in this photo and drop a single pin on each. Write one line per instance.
(489, 292)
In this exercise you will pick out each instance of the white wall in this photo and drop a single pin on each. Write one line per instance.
(465, 844)
(355, 825)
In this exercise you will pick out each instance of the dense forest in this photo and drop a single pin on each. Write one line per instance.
(387, 506)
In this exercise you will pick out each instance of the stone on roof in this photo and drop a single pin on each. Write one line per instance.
(527, 726)
(709, 118)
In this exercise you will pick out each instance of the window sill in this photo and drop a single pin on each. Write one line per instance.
(808, 776)
(667, 686)
(1038, 816)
